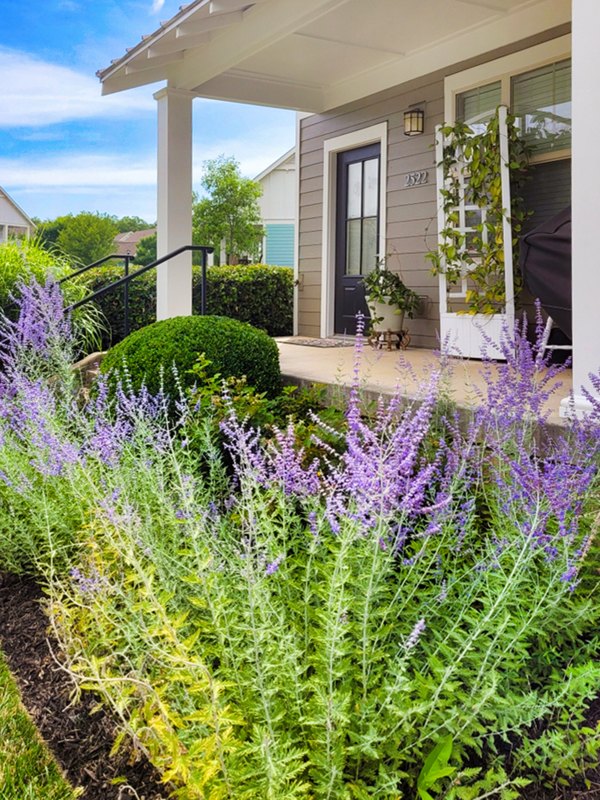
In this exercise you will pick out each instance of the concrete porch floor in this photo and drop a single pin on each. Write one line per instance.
(382, 371)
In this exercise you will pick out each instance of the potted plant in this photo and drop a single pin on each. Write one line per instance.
(388, 299)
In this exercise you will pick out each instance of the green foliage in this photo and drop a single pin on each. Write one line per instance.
(261, 637)
(49, 230)
(146, 251)
(233, 349)
(126, 224)
(318, 421)
(229, 212)
(257, 294)
(27, 260)
(27, 770)
(480, 254)
(435, 768)
(87, 237)
(384, 286)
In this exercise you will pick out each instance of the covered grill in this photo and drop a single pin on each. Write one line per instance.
(545, 262)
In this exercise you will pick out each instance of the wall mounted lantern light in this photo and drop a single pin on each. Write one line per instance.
(414, 121)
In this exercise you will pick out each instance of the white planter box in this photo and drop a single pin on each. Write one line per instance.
(467, 335)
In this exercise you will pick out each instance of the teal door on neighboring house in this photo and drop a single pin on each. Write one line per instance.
(279, 244)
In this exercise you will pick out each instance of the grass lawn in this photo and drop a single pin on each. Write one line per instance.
(27, 770)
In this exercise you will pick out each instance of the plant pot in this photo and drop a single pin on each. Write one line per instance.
(385, 317)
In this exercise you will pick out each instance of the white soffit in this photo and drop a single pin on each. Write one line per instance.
(313, 55)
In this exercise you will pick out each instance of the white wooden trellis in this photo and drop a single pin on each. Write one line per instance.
(473, 335)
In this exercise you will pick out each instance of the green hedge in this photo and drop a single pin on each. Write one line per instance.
(233, 349)
(259, 294)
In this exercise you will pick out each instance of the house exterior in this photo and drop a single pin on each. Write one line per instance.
(14, 222)
(366, 190)
(126, 243)
(278, 208)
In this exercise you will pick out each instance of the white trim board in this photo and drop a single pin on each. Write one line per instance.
(331, 147)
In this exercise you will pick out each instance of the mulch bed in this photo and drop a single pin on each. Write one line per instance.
(81, 739)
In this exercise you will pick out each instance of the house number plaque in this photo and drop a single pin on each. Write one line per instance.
(415, 178)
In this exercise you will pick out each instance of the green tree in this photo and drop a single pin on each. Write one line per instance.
(230, 211)
(87, 237)
(126, 224)
(146, 250)
(49, 230)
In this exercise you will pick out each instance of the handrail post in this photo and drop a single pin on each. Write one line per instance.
(203, 298)
(126, 296)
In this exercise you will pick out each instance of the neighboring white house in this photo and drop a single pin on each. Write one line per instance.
(14, 222)
(278, 208)
(358, 72)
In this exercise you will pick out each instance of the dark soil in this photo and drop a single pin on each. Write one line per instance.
(79, 738)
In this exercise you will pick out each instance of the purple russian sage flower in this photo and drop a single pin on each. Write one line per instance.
(382, 474)
(41, 326)
(244, 446)
(284, 465)
(518, 387)
(33, 417)
(543, 496)
(272, 568)
(91, 584)
(414, 636)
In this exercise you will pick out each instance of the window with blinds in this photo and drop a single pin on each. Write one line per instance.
(476, 106)
(541, 103)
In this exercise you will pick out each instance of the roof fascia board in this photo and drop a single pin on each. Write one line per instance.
(266, 24)
(5, 194)
(152, 61)
(185, 13)
(224, 6)
(212, 23)
(475, 42)
(272, 167)
(176, 45)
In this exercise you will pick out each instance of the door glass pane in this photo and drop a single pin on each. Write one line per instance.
(371, 187)
(354, 190)
(477, 106)
(542, 106)
(353, 247)
(369, 244)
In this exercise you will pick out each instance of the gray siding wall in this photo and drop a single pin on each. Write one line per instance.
(411, 212)
(411, 224)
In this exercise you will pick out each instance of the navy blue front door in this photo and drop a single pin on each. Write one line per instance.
(357, 231)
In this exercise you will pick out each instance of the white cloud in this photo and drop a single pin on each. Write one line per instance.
(83, 170)
(157, 5)
(35, 93)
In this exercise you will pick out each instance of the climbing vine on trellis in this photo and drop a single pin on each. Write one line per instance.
(471, 164)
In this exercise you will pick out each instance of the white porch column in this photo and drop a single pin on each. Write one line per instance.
(586, 194)
(174, 278)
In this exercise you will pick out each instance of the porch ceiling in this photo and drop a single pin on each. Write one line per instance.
(318, 54)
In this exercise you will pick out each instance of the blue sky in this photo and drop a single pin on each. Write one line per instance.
(64, 148)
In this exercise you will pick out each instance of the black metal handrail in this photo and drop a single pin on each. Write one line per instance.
(129, 276)
(127, 258)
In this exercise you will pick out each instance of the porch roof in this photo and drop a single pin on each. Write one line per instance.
(315, 55)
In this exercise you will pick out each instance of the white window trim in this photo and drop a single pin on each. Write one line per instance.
(503, 70)
(331, 147)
